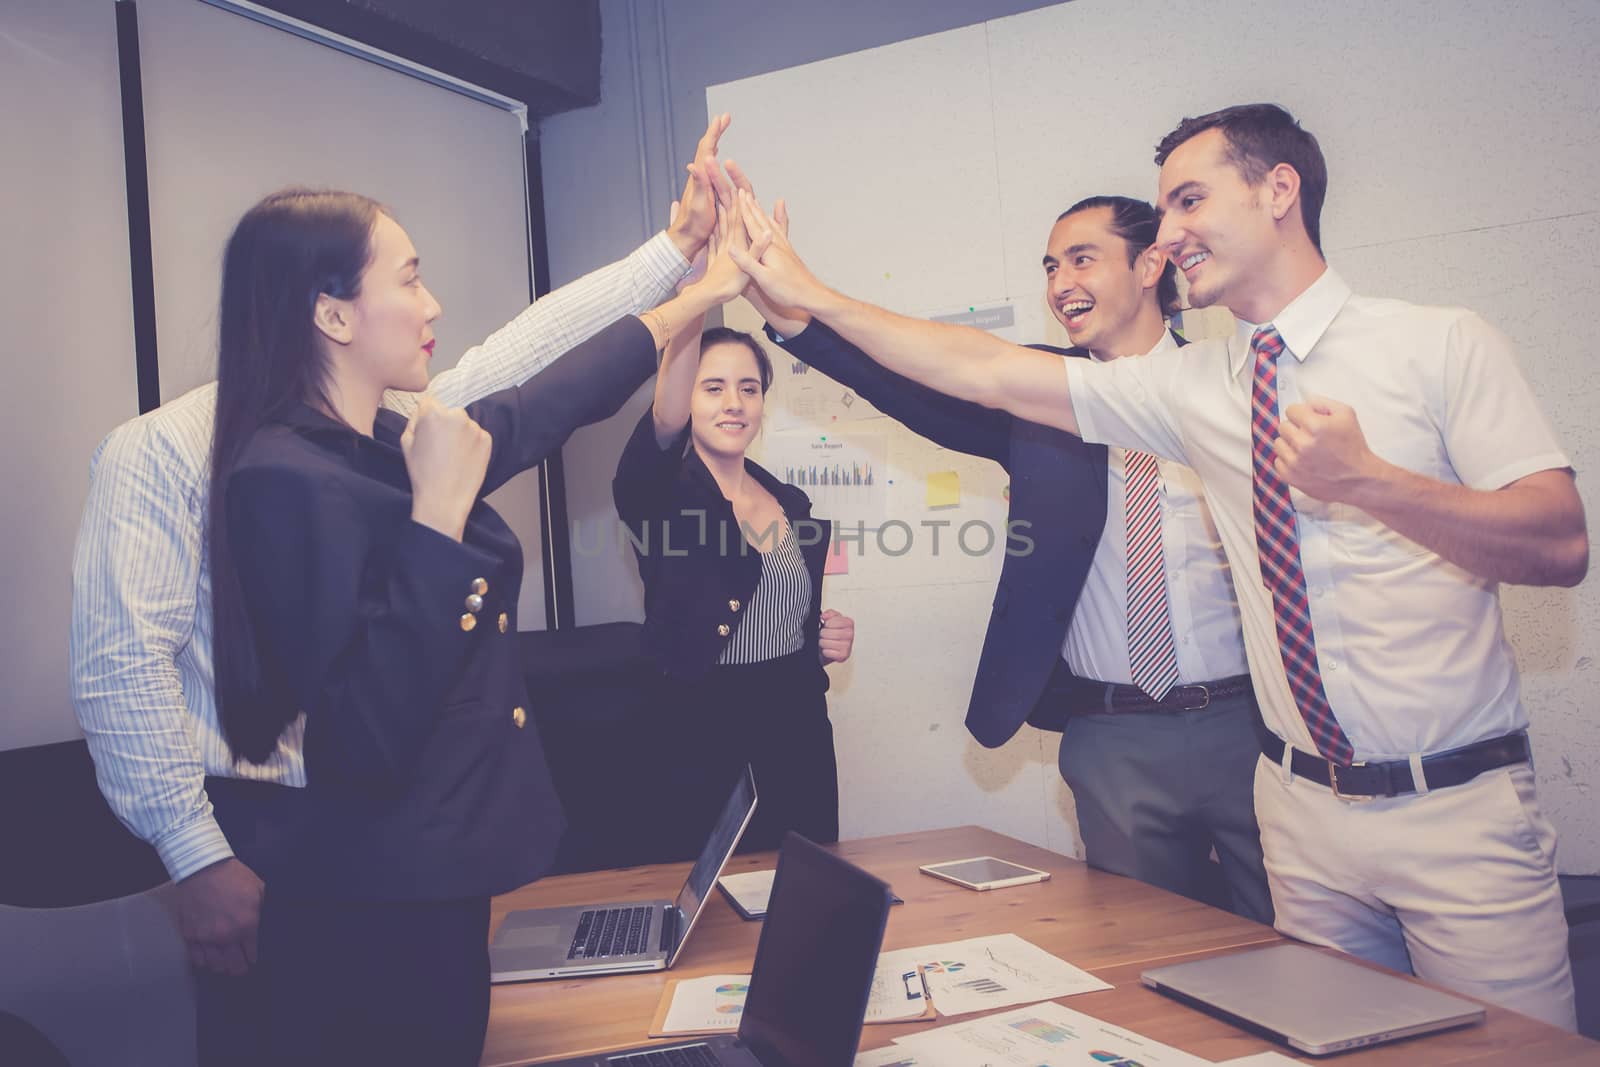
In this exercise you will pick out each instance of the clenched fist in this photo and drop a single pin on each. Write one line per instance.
(838, 636)
(447, 455)
(1322, 452)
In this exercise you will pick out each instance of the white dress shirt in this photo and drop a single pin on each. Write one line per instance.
(1200, 600)
(141, 606)
(1413, 654)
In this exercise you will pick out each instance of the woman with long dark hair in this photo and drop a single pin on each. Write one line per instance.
(365, 593)
(732, 565)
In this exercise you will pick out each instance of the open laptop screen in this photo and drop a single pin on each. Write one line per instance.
(815, 961)
(724, 836)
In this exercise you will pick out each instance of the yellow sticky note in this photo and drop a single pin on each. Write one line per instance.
(944, 489)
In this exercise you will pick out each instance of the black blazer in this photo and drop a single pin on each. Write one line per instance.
(698, 570)
(1058, 500)
(426, 777)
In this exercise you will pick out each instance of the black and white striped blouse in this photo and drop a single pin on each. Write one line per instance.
(774, 621)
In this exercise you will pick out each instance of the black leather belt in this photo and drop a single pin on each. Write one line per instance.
(1111, 698)
(1392, 778)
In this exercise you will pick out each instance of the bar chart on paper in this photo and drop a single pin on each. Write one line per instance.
(843, 476)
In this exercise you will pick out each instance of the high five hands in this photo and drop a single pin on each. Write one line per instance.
(1321, 449)
(782, 276)
(730, 239)
(694, 215)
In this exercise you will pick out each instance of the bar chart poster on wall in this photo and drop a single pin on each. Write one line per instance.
(845, 477)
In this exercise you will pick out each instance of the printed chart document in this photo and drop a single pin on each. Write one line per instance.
(706, 1005)
(1262, 1059)
(1040, 1035)
(987, 972)
(898, 993)
(888, 1056)
(714, 1004)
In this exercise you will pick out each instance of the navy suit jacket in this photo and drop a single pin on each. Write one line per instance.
(698, 571)
(1058, 500)
(426, 777)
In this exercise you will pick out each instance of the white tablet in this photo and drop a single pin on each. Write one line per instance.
(985, 872)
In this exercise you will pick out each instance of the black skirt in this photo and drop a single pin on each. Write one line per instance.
(772, 715)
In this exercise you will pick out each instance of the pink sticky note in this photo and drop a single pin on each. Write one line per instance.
(837, 562)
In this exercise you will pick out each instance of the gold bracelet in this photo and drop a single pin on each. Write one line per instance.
(661, 327)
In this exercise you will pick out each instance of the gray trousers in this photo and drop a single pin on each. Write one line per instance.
(1157, 791)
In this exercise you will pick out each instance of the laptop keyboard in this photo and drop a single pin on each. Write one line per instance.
(682, 1056)
(611, 932)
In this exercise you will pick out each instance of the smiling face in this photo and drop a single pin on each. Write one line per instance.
(1218, 228)
(388, 335)
(1092, 289)
(725, 409)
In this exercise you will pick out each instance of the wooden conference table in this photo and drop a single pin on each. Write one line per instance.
(1113, 927)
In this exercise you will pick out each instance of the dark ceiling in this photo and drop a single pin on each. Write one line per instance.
(545, 53)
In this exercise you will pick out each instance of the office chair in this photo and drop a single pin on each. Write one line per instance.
(105, 984)
(1583, 924)
(22, 1045)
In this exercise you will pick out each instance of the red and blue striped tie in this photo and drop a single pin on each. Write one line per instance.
(1152, 661)
(1278, 542)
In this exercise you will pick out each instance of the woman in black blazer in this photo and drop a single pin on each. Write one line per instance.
(366, 593)
(732, 564)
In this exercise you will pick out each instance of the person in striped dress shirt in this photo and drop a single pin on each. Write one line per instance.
(732, 563)
(141, 637)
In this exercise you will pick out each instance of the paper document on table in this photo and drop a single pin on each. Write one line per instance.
(888, 1056)
(706, 1005)
(1262, 1059)
(1040, 1035)
(897, 991)
(992, 972)
(715, 1003)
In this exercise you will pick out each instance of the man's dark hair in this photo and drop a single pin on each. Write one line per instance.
(1260, 136)
(1136, 222)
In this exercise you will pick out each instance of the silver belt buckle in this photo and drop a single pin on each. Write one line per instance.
(1205, 695)
(1333, 780)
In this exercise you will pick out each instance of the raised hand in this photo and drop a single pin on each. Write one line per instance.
(697, 266)
(1322, 452)
(788, 321)
(779, 271)
(724, 276)
(837, 638)
(447, 456)
(692, 223)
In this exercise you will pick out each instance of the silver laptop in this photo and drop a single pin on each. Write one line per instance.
(1310, 1000)
(624, 937)
(811, 978)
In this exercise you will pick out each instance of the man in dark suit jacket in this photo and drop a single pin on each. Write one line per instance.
(1159, 783)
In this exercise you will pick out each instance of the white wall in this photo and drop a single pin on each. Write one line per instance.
(925, 175)
(68, 314)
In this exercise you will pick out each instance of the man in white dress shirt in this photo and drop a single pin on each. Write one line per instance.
(1130, 642)
(141, 653)
(1375, 470)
